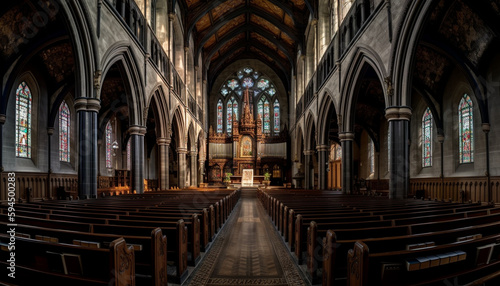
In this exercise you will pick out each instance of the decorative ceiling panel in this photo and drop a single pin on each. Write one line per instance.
(230, 25)
(282, 55)
(219, 11)
(262, 54)
(289, 21)
(301, 4)
(231, 42)
(265, 24)
(263, 40)
(269, 7)
(215, 57)
(287, 39)
(210, 42)
(203, 23)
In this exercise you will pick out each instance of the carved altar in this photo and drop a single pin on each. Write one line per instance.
(244, 148)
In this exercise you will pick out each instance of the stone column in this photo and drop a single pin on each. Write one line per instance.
(201, 171)
(323, 164)
(309, 169)
(346, 139)
(194, 168)
(486, 129)
(137, 157)
(163, 163)
(182, 167)
(399, 125)
(363, 14)
(170, 52)
(87, 110)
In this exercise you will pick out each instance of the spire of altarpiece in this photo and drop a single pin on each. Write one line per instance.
(247, 117)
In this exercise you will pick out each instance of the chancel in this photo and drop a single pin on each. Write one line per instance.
(250, 142)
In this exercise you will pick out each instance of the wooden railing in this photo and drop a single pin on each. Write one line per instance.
(474, 188)
(41, 185)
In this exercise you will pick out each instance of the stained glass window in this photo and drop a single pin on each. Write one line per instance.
(260, 108)
(266, 122)
(129, 156)
(466, 130)
(276, 116)
(232, 84)
(263, 84)
(247, 70)
(235, 108)
(64, 132)
(371, 156)
(224, 91)
(338, 153)
(109, 147)
(271, 91)
(239, 92)
(427, 138)
(229, 119)
(247, 82)
(23, 121)
(219, 116)
(240, 74)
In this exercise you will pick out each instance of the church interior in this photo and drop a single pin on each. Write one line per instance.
(250, 142)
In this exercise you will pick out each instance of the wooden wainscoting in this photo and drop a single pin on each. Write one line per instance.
(42, 185)
(475, 188)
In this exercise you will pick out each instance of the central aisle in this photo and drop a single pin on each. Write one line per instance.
(248, 251)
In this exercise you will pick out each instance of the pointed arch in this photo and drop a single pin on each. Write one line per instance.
(24, 104)
(427, 123)
(326, 111)
(64, 132)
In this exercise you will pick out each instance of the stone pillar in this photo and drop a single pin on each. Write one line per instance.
(182, 167)
(137, 157)
(3, 117)
(486, 129)
(346, 139)
(309, 169)
(162, 163)
(323, 164)
(171, 48)
(399, 125)
(201, 171)
(363, 13)
(87, 110)
(440, 138)
(194, 168)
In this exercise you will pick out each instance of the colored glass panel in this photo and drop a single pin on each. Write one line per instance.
(232, 84)
(224, 91)
(219, 116)
(271, 91)
(64, 132)
(263, 84)
(266, 122)
(260, 109)
(466, 130)
(338, 152)
(23, 121)
(235, 108)
(247, 70)
(247, 82)
(109, 131)
(229, 119)
(427, 138)
(276, 116)
(240, 74)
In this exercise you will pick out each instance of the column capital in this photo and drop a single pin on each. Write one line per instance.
(321, 148)
(137, 130)
(314, 22)
(346, 136)
(398, 113)
(162, 141)
(3, 117)
(182, 150)
(486, 127)
(440, 138)
(193, 153)
(171, 16)
(309, 152)
(50, 130)
(87, 104)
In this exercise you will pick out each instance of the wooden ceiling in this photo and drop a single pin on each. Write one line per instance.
(227, 30)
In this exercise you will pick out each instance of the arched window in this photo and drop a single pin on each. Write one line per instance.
(371, 156)
(232, 112)
(129, 156)
(466, 130)
(427, 138)
(263, 109)
(64, 132)
(219, 116)
(23, 121)
(109, 147)
(276, 117)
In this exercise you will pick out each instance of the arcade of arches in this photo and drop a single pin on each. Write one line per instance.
(131, 96)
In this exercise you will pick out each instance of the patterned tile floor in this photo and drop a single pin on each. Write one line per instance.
(248, 251)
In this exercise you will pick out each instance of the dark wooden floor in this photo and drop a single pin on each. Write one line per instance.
(248, 251)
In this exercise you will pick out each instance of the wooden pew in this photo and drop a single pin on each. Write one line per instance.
(64, 264)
